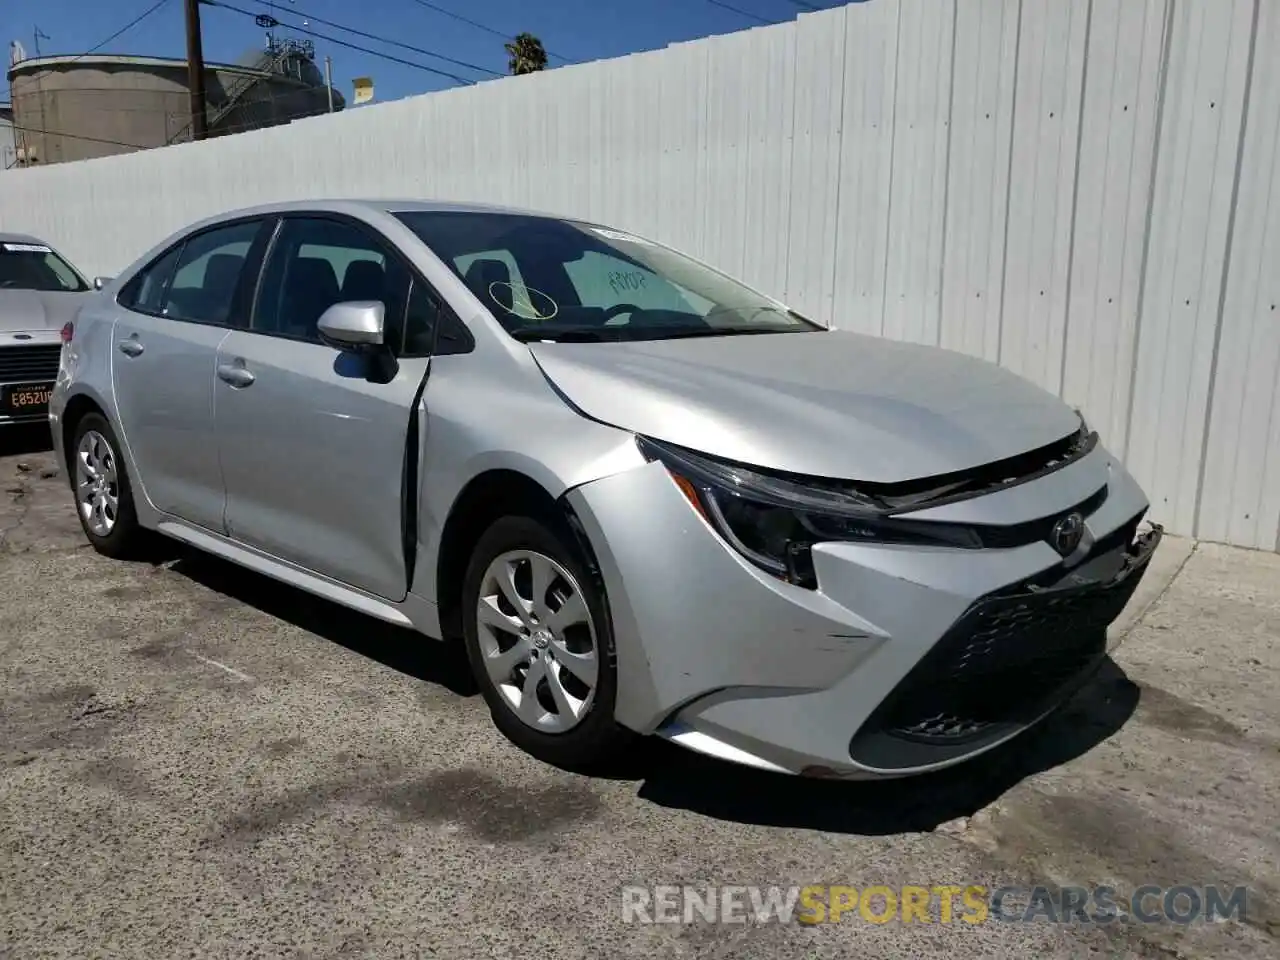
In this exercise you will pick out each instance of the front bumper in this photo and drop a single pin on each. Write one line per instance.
(904, 660)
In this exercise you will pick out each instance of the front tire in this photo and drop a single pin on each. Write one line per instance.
(541, 646)
(104, 498)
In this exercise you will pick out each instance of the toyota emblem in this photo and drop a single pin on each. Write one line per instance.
(1067, 534)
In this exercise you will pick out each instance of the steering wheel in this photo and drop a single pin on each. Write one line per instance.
(618, 309)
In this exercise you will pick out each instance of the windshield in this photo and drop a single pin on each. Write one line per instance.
(34, 266)
(548, 279)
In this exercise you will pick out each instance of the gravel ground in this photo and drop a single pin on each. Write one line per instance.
(196, 761)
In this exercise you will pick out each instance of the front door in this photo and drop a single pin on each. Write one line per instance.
(176, 312)
(313, 441)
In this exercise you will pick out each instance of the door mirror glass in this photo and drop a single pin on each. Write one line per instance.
(100, 282)
(353, 324)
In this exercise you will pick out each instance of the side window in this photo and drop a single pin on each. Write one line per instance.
(145, 292)
(316, 263)
(208, 273)
(604, 281)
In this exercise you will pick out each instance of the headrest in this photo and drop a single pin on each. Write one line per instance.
(364, 280)
(221, 271)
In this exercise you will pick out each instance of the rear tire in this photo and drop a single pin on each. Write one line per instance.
(540, 644)
(103, 496)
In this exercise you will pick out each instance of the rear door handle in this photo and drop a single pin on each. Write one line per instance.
(235, 375)
(132, 347)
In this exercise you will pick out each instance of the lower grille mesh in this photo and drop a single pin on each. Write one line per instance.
(1002, 658)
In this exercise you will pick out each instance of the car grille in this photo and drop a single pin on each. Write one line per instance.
(1003, 660)
(31, 362)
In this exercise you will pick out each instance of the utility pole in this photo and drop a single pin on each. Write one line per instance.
(195, 72)
(328, 80)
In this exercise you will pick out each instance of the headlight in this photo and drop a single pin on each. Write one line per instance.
(774, 521)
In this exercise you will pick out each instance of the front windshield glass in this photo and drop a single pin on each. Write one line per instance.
(33, 266)
(548, 279)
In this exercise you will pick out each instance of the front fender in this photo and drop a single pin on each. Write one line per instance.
(471, 428)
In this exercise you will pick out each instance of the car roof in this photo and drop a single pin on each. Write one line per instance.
(341, 205)
(20, 238)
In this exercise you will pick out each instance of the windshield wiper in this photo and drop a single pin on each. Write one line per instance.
(566, 334)
(624, 334)
(720, 332)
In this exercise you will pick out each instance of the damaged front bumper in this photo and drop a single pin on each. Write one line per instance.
(1009, 660)
(904, 659)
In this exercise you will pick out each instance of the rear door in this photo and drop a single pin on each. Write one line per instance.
(174, 314)
(314, 441)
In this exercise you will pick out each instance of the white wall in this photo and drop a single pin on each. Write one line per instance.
(1083, 190)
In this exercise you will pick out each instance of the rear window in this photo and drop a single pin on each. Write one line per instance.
(34, 266)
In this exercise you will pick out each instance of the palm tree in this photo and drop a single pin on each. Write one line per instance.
(525, 54)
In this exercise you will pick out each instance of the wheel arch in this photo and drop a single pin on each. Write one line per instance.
(486, 498)
(74, 410)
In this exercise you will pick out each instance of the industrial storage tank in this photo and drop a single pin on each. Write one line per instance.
(96, 105)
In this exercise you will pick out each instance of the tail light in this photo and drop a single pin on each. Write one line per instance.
(68, 331)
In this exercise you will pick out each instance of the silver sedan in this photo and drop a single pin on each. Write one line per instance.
(647, 498)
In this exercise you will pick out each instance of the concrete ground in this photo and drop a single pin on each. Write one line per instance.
(196, 761)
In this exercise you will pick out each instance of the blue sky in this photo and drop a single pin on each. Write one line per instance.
(575, 29)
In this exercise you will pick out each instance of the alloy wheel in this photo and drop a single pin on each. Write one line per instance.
(537, 640)
(97, 483)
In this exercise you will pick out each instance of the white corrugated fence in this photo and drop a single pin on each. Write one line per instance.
(1086, 191)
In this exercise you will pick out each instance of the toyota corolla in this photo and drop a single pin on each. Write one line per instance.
(646, 498)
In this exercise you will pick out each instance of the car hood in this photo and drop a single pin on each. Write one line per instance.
(38, 309)
(824, 404)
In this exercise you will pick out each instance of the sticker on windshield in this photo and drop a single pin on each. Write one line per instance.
(27, 248)
(526, 302)
(625, 237)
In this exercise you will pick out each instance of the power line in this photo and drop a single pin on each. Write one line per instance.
(481, 26)
(219, 131)
(349, 46)
(805, 6)
(113, 94)
(743, 13)
(393, 43)
(75, 136)
(125, 29)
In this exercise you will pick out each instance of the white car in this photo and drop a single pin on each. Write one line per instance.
(40, 292)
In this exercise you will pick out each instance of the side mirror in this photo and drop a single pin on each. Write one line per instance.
(353, 324)
(100, 282)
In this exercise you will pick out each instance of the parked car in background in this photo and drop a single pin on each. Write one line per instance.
(647, 498)
(39, 293)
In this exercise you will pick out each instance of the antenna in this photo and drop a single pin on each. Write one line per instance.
(37, 36)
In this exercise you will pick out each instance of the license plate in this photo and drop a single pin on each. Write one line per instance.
(20, 398)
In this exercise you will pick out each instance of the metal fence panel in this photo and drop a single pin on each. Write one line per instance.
(1082, 190)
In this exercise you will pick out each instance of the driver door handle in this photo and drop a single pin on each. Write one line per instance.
(235, 375)
(132, 347)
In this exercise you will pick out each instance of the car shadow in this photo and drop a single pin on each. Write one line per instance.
(678, 779)
(395, 647)
(670, 776)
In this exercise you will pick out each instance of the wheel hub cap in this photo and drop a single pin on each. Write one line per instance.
(537, 640)
(97, 484)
